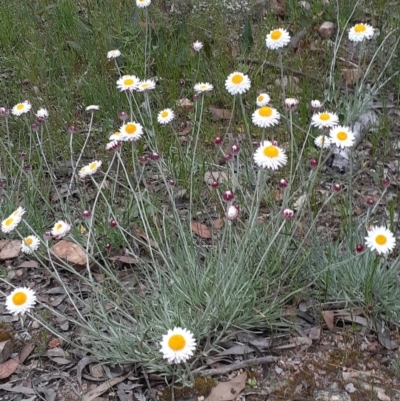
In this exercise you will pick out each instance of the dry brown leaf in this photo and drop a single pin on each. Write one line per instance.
(226, 391)
(220, 114)
(329, 316)
(185, 104)
(218, 223)
(352, 75)
(315, 333)
(8, 368)
(32, 264)
(55, 342)
(91, 395)
(201, 230)
(144, 236)
(25, 352)
(124, 259)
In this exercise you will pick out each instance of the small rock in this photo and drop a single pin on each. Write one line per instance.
(327, 29)
(35, 325)
(70, 253)
(278, 370)
(350, 388)
(9, 249)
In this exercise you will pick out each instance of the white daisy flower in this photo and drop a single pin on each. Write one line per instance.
(10, 223)
(113, 54)
(143, 3)
(380, 239)
(90, 169)
(21, 108)
(42, 114)
(203, 87)
(93, 107)
(270, 156)
(60, 229)
(30, 244)
(178, 345)
(146, 85)
(237, 83)
(19, 212)
(165, 116)
(265, 117)
(197, 46)
(20, 301)
(316, 104)
(128, 83)
(131, 131)
(324, 120)
(359, 32)
(322, 141)
(342, 137)
(277, 38)
(116, 136)
(263, 99)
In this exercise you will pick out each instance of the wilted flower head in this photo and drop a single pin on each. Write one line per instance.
(237, 83)
(277, 38)
(178, 345)
(113, 145)
(197, 46)
(4, 111)
(113, 54)
(359, 32)
(316, 104)
(287, 213)
(232, 212)
(21, 108)
(291, 103)
(20, 301)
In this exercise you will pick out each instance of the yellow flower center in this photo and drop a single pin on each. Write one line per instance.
(260, 98)
(59, 226)
(164, 114)
(130, 129)
(359, 28)
(325, 117)
(177, 342)
(28, 241)
(9, 221)
(19, 298)
(237, 79)
(93, 166)
(117, 133)
(128, 81)
(145, 85)
(276, 35)
(20, 106)
(380, 239)
(271, 152)
(203, 87)
(265, 111)
(342, 136)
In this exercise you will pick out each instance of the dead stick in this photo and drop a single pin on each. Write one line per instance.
(234, 366)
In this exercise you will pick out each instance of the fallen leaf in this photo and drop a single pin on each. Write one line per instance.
(226, 391)
(329, 316)
(33, 264)
(218, 223)
(25, 352)
(220, 114)
(315, 333)
(8, 368)
(124, 259)
(185, 128)
(55, 342)
(185, 104)
(302, 341)
(9, 249)
(91, 395)
(201, 230)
